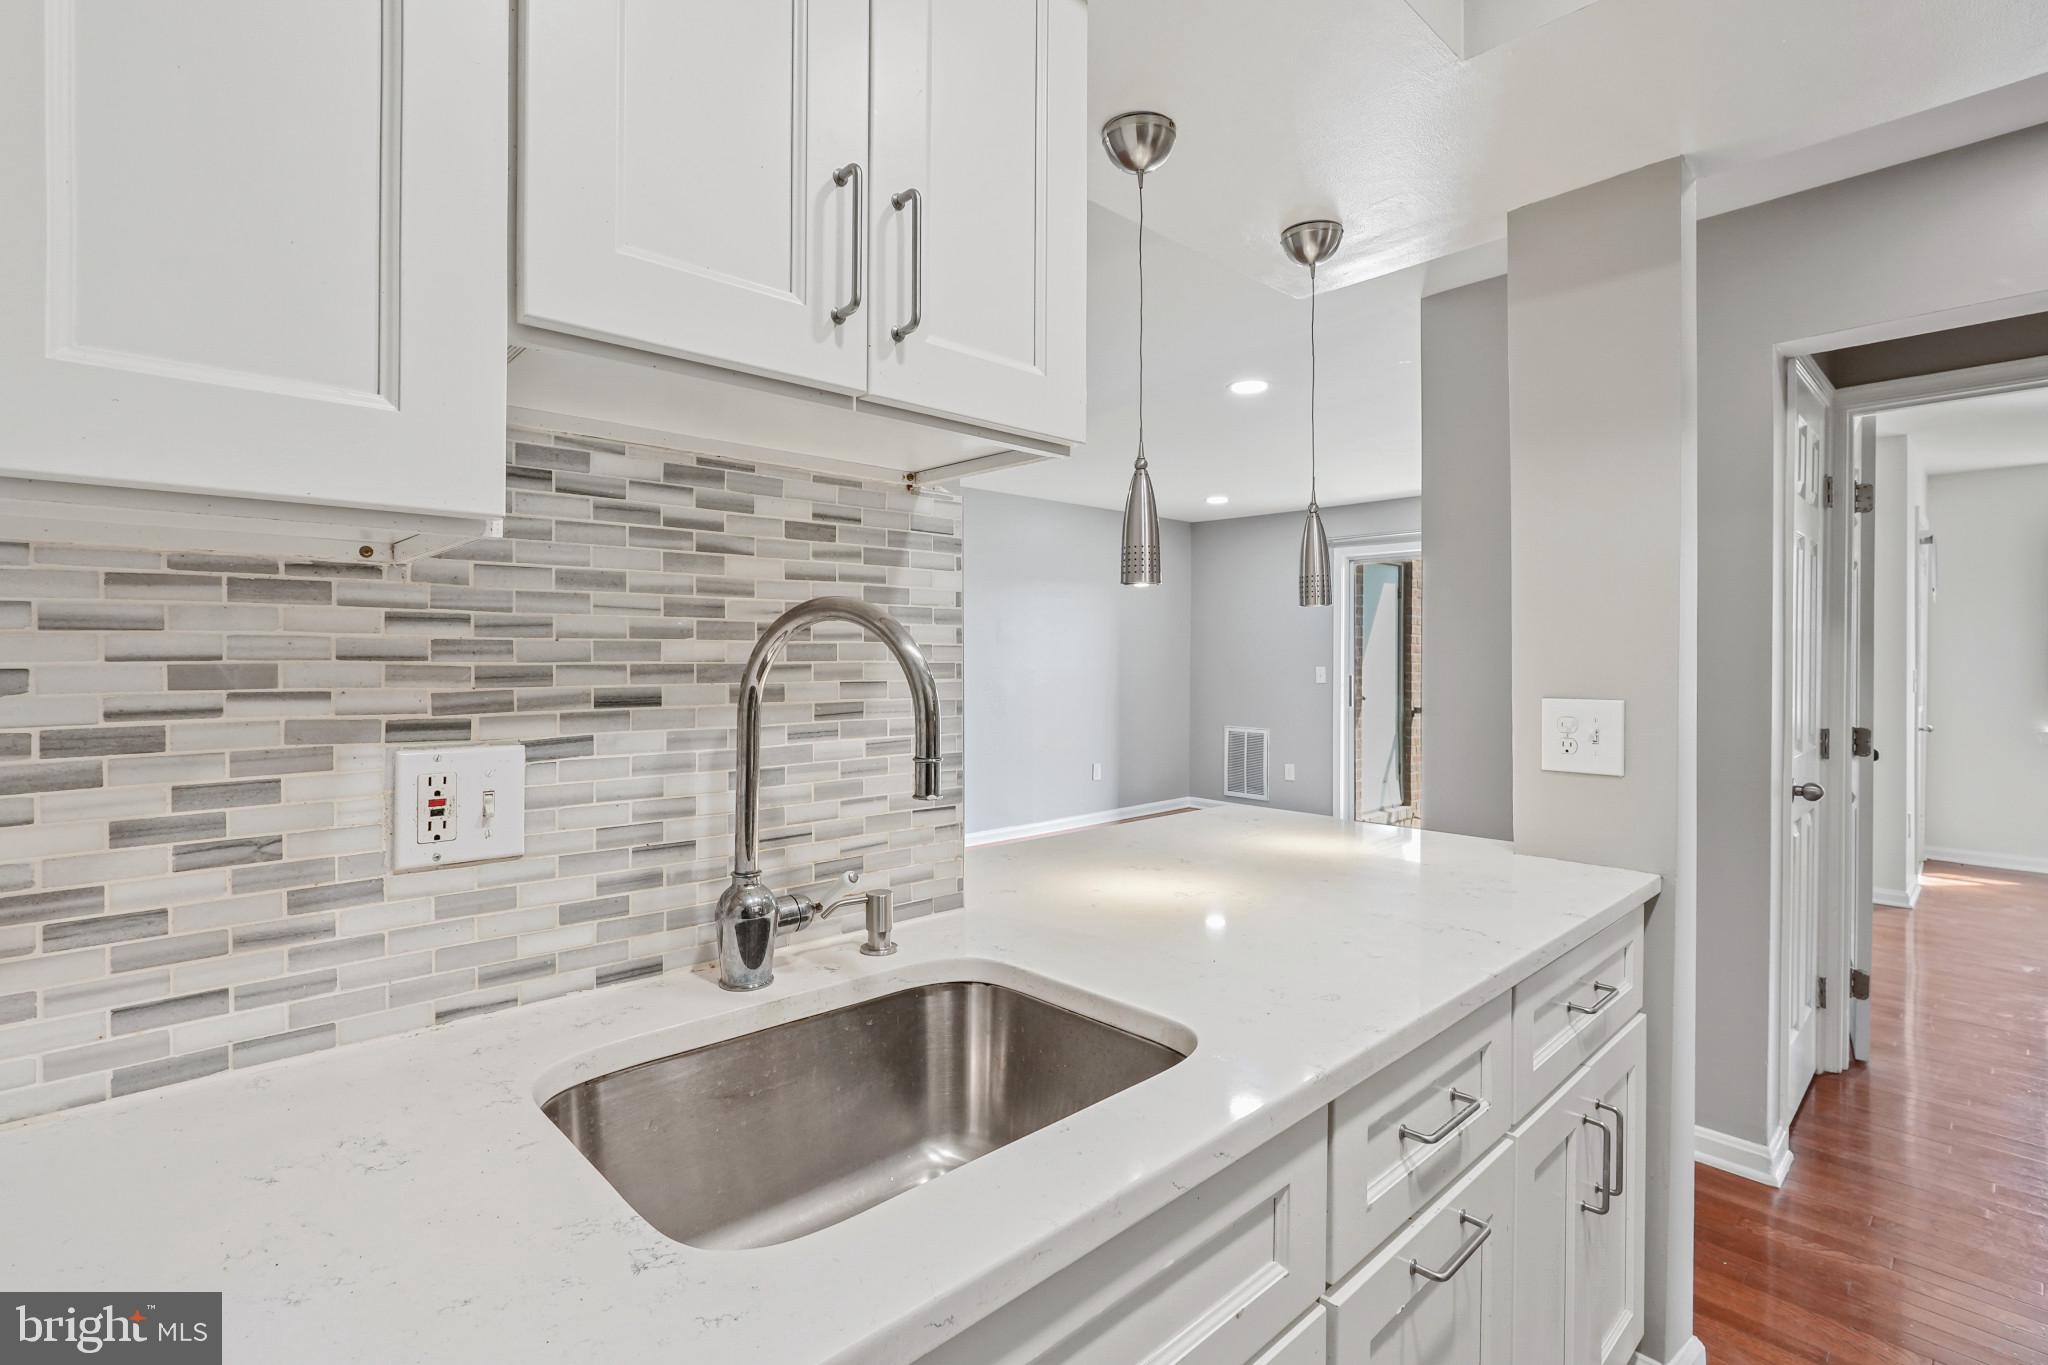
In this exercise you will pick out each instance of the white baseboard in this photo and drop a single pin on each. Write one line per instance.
(1898, 900)
(1083, 821)
(1977, 857)
(1740, 1156)
(1692, 1353)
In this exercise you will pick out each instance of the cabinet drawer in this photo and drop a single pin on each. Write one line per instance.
(1567, 1011)
(1403, 1137)
(1305, 1343)
(1210, 1279)
(1393, 1313)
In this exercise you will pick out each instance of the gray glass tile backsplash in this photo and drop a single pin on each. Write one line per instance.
(194, 751)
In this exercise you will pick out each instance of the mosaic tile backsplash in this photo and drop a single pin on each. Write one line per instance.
(194, 756)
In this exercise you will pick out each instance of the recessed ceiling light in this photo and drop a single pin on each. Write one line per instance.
(1247, 387)
(1216, 500)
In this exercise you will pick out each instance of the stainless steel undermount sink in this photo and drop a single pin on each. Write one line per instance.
(765, 1137)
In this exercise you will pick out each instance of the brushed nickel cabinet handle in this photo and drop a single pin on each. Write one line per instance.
(1603, 996)
(1465, 1252)
(1604, 1186)
(916, 203)
(851, 172)
(1464, 1108)
(1620, 1186)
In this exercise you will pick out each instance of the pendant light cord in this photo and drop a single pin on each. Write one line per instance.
(1312, 385)
(1141, 317)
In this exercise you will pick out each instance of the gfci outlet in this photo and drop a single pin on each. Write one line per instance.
(460, 805)
(1581, 735)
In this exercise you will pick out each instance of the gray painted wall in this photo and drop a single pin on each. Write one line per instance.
(1934, 243)
(1256, 648)
(1467, 756)
(1069, 667)
(1600, 413)
(1987, 761)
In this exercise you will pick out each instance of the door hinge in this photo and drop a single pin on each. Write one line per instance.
(1827, 491)
(1859, 984)
(1820, 993)
(1866, 497)
(1859, 741)
(1827, 740)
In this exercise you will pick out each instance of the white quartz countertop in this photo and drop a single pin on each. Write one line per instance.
(405, 1200)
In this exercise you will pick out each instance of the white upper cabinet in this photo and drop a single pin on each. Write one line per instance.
(881, 199)
(254, 252)
(684, 183)
(980, 113)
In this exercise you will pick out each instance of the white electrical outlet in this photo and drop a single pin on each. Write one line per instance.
(436, 819)
(459, 805)
(1582, 735)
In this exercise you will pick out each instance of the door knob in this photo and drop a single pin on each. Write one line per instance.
(1809, 791)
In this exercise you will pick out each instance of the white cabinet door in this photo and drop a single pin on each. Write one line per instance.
(677, 187)
(256, 248)
(1440, 1293)
(980, 107)
(1579, 1213)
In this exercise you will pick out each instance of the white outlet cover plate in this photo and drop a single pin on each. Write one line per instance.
(477, 769)
(1583, 735)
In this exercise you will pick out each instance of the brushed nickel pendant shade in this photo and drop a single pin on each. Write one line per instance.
(1311, 244)
(1139, 142)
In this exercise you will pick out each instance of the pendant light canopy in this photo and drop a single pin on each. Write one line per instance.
(1311, 244)
(1139, 142)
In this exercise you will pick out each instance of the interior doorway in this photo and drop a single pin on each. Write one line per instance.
(1379, 669)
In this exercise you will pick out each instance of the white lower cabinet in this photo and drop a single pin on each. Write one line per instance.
(1579, 1214)
(1408, 1223)
(1441, 1292)
(1211, 1279)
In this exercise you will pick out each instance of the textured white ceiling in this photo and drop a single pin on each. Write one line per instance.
(1995, 431)
(1206, 326)
(1355, 109)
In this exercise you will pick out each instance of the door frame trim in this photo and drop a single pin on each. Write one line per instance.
(1849, 409)
(1344, 553)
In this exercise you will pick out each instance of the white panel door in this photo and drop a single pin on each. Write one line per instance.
(1805, 628)
(256, 247)
(1579, 1214)
(980, 129)
(680, 179)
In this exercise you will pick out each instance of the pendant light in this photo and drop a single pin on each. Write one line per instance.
(1138, 142)
(1311, 244)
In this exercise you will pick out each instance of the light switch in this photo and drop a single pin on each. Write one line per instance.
(1322, 674)
(1581, 735)
(1095, 771)
(1287, 771)
(458, 805)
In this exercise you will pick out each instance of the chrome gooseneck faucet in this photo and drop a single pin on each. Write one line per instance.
(750, 914)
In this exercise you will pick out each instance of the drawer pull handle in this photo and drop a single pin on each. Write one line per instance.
(1604, 995)
(1464, 1108)
(1619, 1187)
(1465, 1253)
(1604, 1186)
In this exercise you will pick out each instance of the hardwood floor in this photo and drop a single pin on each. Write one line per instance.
(1914, 1226)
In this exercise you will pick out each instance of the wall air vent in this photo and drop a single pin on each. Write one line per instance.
(1244, 763)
